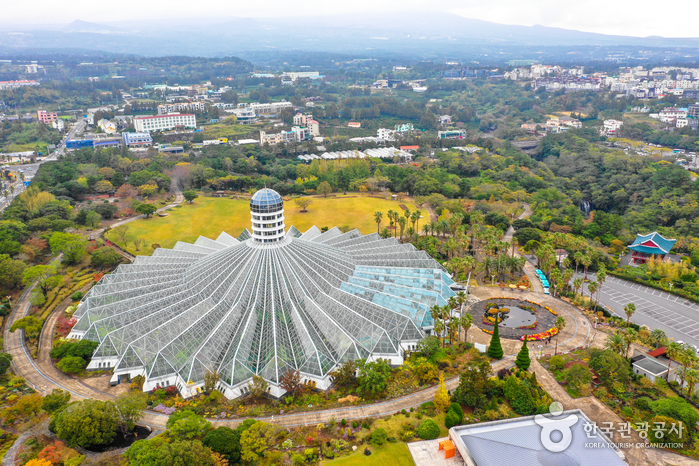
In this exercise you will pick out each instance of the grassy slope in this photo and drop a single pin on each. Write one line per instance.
(390, 454)
(210, 216)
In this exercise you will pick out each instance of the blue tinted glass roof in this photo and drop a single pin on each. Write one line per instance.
(265, 197)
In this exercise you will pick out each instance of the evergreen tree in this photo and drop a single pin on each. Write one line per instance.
(523, 361)
(495, 349)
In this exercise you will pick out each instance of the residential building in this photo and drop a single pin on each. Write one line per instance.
(168, 109)
(307, 121)
(137, 139)
(107, 126)
(445, 120)
(294, 75)
(693, 110)
(611, 126)
(297, 134)
(271, 108)
(655, 365)
(245, 116)
(451, 134)
(385, 134)
(671, 114)
(46, 117)
(165, 122)
(4, 85)
(58, 124)
(531, 127)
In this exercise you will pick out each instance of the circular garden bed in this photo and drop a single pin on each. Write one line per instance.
(517, 318)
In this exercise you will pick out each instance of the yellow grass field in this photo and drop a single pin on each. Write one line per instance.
(208, 216)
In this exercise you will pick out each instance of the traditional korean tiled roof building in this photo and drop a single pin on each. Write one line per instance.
(651, 245)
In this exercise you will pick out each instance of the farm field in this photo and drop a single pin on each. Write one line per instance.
(209, 216)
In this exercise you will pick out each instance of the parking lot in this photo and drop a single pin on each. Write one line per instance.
(678, 317)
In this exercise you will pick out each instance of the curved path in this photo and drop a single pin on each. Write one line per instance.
(42, 374)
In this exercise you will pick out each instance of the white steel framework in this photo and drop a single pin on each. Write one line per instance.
(305, 302)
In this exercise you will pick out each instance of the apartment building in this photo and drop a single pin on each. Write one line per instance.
(168, 109)
(137, 139)
(46, 117)
(164, 122)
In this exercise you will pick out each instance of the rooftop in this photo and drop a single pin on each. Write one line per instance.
(517, 442)
(652, 243)
(651, 365)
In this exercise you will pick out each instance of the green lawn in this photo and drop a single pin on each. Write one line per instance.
(390, 454)
(226, 131)
(209, 216)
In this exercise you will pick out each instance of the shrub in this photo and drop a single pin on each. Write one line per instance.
(427, 408)
(457, 408)
(556, 363)
(643, 403)
(452, 419)
(77, 296)
(354, 424)
(225, 441)
(378, 437)
(676, 408)
(428, 430)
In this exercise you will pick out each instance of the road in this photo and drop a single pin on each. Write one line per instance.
(30, 169)
(678, 317)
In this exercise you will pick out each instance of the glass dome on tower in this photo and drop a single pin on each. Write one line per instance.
(265, 303)
(267, 212)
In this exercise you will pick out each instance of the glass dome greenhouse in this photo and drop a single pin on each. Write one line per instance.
(264, 303)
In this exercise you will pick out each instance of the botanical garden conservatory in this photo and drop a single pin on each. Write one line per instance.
(269, 301)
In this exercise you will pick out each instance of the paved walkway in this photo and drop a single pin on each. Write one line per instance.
(427, 453)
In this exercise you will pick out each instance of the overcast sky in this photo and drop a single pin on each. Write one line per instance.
(624, 17)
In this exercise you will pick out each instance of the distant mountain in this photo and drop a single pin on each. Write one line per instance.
(79, 26)
(418, 35)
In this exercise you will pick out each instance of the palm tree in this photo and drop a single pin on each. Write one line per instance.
(658, 338)
(672, 350)
(687, 357)
(592, 288)
(567, 276)
(402, 221)
(601, 278)
(629, 310)
(629, 337)
(378, 216)
(560, 325)
(418, 215)
(691, 375)
(577, 284)
(556, 278)
(586, 261)
(466, 322)
(615, 343)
